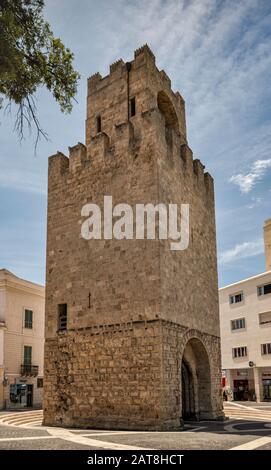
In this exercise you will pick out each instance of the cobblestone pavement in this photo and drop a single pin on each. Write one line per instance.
(248, 427)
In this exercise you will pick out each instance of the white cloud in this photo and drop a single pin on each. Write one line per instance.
(247, 181)
(242, 250)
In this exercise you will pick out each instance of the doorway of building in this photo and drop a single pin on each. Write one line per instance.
(29, 395)
(196, 382)
(240, 390)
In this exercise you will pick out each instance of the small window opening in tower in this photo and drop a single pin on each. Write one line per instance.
(132, 107)
(62, 317)
(98, 124)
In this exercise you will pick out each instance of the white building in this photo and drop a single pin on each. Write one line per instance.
(21, 342)
(245, 323)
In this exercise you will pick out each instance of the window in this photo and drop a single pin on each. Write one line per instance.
(18, 395)
(238, 324)
(264, 318)
(27, 355)
(263, 290)
(239, 352)
(28, 318)
(62, 317)
(39, 382)
(235, 298)
(266, 348)
(132, 107)
(98, 124)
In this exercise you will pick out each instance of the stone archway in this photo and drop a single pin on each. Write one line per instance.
(167, 109)
(196, 381)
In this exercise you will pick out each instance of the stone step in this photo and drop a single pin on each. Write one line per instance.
(32, 421)
(21, 419)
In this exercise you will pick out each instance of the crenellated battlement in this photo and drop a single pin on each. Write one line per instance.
(198, 169)
(124, 133)
(209, 183)
(116, 133)
(139, 80)
(93, 80)
(118, 65)
(202, 181)
(179, 98)
(58, 164)
(165, 78)
(129, 140)
(146, 51)
(105, 153)
(77, 154)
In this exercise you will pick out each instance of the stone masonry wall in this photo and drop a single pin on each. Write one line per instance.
(122, 376)
(105, 377)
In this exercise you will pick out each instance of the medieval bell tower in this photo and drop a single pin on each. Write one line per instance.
(132, 328)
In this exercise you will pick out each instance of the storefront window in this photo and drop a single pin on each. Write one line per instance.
(17, 395)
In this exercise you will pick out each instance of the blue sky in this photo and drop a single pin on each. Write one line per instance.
(217, 53)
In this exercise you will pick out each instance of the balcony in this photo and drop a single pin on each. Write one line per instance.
(27, 370)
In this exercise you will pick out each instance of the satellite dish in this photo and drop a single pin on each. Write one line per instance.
(251, 364)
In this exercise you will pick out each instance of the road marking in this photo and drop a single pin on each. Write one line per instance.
(28, 438)
(117, 433)
(251, 445)
(68, 436)
(238, 405)
(250, 418)
(195, 429)
(243, 412)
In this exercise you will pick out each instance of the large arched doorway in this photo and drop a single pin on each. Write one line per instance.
(196, 381)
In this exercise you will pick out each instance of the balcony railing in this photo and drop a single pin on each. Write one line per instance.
(29, 370)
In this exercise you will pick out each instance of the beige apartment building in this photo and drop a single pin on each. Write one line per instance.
(21, 342)
(245, 323)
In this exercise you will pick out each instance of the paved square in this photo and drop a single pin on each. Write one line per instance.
(248, 427)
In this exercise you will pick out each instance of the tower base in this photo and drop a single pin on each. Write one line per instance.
(145, 375)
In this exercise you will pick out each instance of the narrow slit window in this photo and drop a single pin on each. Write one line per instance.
(62, 317)
(98, 124)
(132, 107)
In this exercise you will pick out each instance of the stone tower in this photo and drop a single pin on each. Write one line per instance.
(132, 328)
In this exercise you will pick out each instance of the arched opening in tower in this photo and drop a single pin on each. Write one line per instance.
(167, 109)
(196, 381)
